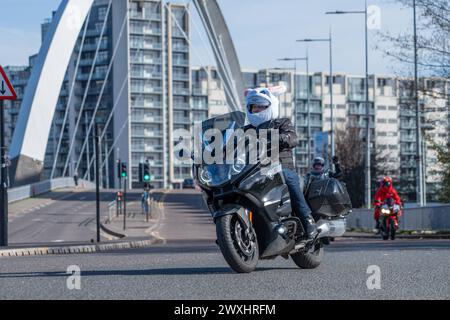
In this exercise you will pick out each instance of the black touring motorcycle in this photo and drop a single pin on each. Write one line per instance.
(252, 211)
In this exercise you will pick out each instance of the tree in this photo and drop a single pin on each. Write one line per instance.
(433, 38)
(443, 155)
(350, 149)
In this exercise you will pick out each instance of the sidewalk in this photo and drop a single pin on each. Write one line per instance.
(136, 224)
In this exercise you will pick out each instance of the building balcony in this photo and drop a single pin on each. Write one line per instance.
(146, 148)
(149, 105)
(143, 45)
(182, 120)
(358, 96)
(147, 134)
(360, 111)
(144, 30)
(183, 106)
(145, 60)
(313, 123)
(181, 91)
(146, 119)
(146, 89)
(181, 76)
(146, 75)
(99, 61)
(410, 151)
(93, 46)
(312, 109)
(180, 48)
(199, 91)
(407, 125)
(144, 16)
(405, 138)
(180, 62)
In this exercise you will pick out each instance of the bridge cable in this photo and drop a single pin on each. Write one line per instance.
(92, 121)
(66, 113)
(87, 88)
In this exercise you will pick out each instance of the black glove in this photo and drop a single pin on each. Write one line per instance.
(335, 159)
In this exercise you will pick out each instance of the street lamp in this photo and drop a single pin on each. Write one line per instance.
(367, 160)
(306, 59)
(330, 83)
(419, 174)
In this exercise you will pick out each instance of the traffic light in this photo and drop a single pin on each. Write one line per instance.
(119, 168)
(144, 172)
(123, 170)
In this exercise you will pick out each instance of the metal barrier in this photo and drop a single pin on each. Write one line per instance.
(436, 218)
(24, 192)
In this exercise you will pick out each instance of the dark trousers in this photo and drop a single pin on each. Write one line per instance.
(298, 202)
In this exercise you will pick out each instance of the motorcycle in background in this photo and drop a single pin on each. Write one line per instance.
(389, 215)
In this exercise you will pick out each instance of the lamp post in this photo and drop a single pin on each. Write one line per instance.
(367, 158)
(330, 83)
(419, 174)
(306, 59)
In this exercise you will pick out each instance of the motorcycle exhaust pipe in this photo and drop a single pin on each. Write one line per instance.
(331, 228)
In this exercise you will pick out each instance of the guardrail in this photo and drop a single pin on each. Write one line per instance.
(436, 218)
(31, 190)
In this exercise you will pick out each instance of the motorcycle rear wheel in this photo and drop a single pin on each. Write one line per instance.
(241, 252)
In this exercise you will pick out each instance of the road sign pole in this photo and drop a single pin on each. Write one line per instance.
(3, 182)
(124, 197)
(6, 93)
(97, 180)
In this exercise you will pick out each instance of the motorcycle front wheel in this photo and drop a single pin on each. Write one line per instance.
(393, 230)
(239, 249)
(384, 230)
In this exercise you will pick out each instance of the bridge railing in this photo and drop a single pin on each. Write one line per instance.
(24, 192)
(433, 218)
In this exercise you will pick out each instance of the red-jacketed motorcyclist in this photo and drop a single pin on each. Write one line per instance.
(385, 191)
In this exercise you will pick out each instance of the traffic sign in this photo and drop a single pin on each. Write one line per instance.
(6, 90)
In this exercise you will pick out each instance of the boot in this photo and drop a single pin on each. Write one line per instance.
(310, 227)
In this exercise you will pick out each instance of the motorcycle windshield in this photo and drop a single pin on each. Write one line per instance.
(215, 174)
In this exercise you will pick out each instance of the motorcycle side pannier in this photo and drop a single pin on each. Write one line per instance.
(328, 197)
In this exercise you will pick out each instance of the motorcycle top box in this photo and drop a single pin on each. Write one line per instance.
(328, 197)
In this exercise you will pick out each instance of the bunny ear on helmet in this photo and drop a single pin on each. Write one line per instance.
(277, 90)
(247, 91)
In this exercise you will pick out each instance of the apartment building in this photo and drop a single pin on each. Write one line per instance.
(392, 117)
(129, 76)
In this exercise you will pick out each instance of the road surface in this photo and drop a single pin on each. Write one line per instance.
(190, 266)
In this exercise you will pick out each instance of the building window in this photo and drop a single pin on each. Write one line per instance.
(102, 13)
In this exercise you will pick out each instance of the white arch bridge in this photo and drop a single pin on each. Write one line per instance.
(41, 96)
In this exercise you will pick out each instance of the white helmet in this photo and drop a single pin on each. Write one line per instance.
(265, 97)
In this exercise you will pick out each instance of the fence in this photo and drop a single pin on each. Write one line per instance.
(24, 192)
(436, 218)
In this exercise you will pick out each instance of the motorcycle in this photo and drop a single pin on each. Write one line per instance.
(251, 208)
(389, 214)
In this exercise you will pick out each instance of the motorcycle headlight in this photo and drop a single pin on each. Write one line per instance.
(205, 176)
(238, 166)
(385, 211)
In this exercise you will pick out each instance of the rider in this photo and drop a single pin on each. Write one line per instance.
(262, 108)
(318, 170)
(385, 191)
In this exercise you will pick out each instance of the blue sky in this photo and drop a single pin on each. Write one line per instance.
(263, 31)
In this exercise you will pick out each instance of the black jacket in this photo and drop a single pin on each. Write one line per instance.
(288, 139)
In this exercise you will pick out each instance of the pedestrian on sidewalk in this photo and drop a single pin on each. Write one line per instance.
(145, 201)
